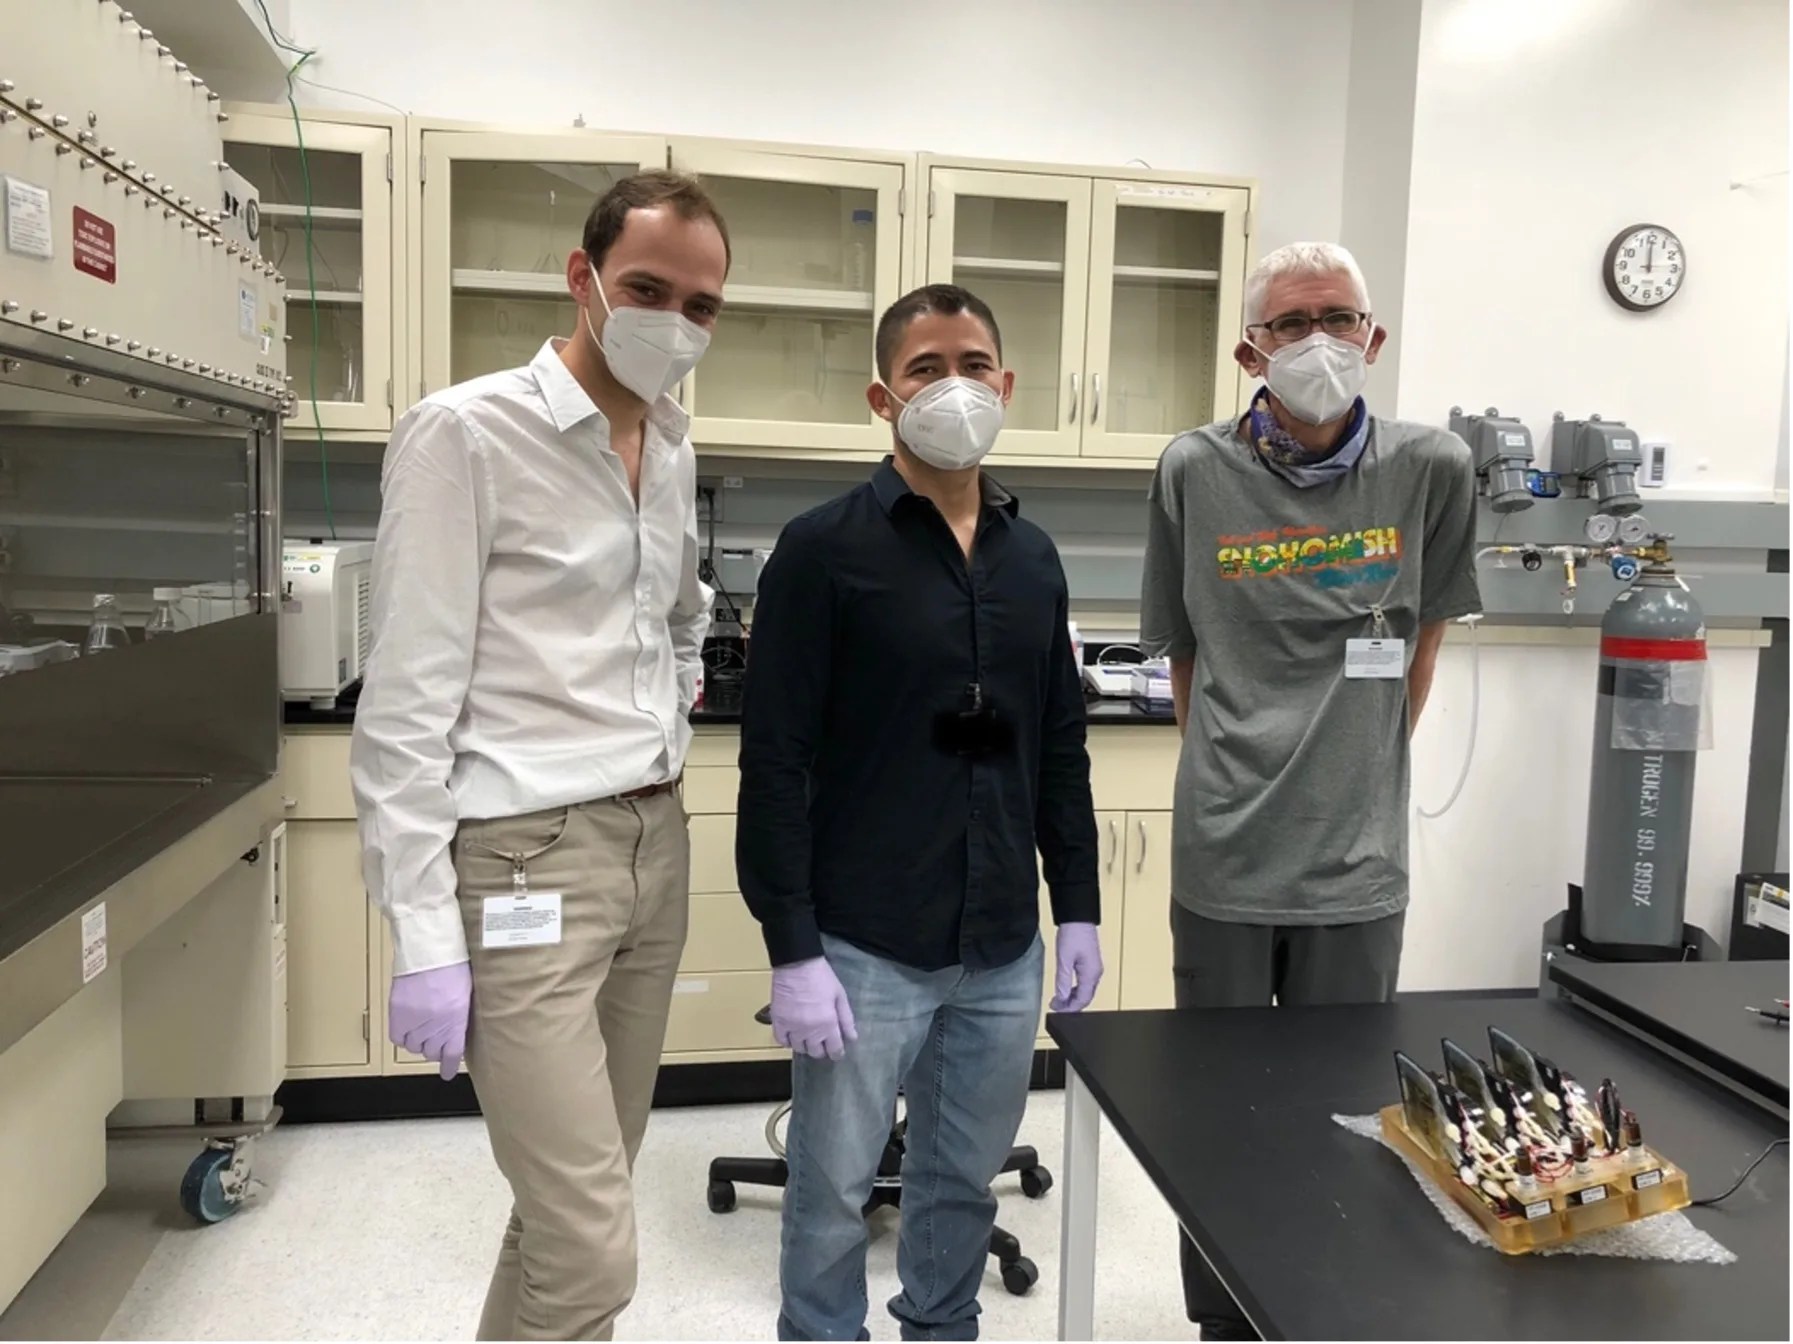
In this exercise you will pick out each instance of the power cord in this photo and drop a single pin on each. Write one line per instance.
(1748, 1171)
(706, 569)
(311, 280)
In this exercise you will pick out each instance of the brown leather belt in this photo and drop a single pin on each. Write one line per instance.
(651, 791)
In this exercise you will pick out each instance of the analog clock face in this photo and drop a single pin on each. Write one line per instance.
(1644, 267)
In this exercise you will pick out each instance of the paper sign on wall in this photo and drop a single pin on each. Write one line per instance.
(93, 942)
(27, 219)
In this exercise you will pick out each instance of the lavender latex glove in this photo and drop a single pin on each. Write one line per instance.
(1079, 967)
(810, 1012)
(427, 1014)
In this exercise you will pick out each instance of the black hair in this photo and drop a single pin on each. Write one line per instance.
(948, 300)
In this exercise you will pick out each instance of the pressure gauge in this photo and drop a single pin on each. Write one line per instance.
(1633, 530)
(1602, 528)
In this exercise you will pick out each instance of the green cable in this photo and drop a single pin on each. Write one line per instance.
(311, 280)
(317, 339)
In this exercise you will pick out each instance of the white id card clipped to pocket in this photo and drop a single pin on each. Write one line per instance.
(1375, 659)
(529, 919)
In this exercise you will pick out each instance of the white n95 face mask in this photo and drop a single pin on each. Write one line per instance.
(950, 424)
(1318, 378)
(649, 350)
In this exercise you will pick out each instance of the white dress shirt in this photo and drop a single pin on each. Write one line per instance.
(536, 635)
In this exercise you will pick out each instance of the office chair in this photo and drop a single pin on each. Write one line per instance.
(1019, 1274)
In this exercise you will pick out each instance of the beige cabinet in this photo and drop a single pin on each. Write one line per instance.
(501, 211)
(328, 946)
(1119, 299)
(329, 221)
(1020, 242)
(1166, 284)
(817, 244)
(1145, 947)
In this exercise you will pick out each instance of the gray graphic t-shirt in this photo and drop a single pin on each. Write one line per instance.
(1291, 796)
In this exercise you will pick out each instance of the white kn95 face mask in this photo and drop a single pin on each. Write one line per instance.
(1318, 378)
(649, 350)
(950, 424)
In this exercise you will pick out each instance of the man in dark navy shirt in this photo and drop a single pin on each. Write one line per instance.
(913, 731)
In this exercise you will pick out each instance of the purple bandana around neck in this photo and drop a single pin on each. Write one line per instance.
(1299, 466)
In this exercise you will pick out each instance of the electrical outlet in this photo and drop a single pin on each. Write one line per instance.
(733, 482)
(709, 502)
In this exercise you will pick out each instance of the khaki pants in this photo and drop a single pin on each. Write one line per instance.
(564, 1044)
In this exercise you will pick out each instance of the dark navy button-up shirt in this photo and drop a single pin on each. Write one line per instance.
(912, 728)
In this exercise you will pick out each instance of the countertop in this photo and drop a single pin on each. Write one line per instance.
(1102, 712)
(1324, 1235)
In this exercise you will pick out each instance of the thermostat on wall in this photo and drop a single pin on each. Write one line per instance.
(1654, 471)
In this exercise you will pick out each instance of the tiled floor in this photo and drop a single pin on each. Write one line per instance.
(386, 1231)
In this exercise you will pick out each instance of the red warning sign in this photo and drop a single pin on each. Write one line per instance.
(96, 246)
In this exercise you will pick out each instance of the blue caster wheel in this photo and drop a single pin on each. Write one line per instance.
(202, 1188)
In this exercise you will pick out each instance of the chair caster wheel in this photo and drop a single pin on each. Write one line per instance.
(1035, 1182)
(722, 1197)
(1020, 1277)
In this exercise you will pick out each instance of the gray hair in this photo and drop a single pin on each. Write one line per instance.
(1301, 259)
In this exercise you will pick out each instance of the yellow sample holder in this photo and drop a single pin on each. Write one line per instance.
(1616, 1189)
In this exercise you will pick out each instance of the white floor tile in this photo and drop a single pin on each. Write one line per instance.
(387, 1231)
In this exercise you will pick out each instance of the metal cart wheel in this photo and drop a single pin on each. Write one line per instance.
(217, 1181)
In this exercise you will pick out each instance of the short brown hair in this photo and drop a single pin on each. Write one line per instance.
(643, 191)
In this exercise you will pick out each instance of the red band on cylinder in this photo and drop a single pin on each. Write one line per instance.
(1654, 650)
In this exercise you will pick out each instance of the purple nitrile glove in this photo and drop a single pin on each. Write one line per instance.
(810, 1012)
(427, 1014)
(1079, 967)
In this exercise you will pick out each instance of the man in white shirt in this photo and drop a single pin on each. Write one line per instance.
(538, 627)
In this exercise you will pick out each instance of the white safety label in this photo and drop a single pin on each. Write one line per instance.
(1766, 908)
(1538, 1209)
(1592, 1195)
(530, 920)
(1375, 659)
(1644, 1180)
(27, 219)
(247, 311)
(93, 942)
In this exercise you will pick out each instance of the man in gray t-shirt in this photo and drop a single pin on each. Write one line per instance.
(1300, 566)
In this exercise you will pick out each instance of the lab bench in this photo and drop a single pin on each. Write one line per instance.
(340, 955)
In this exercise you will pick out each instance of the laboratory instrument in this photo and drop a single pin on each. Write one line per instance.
(1501, 449)
(1601, 457)
(1522, 1147)
(325, 618)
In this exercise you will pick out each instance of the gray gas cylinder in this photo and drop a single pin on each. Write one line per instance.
(1648, 728)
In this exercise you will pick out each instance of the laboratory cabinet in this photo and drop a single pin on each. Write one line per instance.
(341, 953)
(331, 218)
(1119, 298)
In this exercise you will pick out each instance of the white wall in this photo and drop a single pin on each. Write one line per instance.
(1178, 83)
(1543, 127)
(1378, 171)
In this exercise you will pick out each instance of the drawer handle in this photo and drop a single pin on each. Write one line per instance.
(1140, 865)
(1072, 417)
(1114, 845)
(1095, 397)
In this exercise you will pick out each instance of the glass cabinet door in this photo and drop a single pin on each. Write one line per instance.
(1020, 242)
(500, 214)
(1166, 263)
(339, 292)
(817, 256)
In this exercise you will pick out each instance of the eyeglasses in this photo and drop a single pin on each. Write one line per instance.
(1291, 327)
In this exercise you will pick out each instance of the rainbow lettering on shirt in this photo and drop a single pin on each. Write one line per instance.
(1334, 560)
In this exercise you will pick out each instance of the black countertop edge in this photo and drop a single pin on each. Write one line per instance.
(1102, 712)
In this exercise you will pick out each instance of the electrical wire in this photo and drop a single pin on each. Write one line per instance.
(1475, 714)
(351, 93)
(1748, 1171)
(317, 337)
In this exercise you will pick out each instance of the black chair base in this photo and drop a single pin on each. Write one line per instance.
(1019, 1274)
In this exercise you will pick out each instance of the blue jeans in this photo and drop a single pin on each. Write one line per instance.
(960, 1046)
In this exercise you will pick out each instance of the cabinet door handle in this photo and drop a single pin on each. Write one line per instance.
(1095, 397)
(1072, 417)
(1114, 845)
(1139, 865)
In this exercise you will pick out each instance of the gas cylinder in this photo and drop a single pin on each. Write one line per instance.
(1648, 728)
